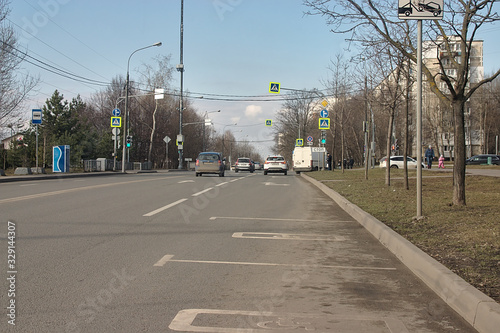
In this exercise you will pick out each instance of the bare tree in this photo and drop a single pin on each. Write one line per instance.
(388, 95)
(14, 86)
(294, 120)
(159, 77)
(463, 19)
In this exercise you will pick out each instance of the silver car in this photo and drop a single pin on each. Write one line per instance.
(244, 164)
(275, 163)
(209, 162)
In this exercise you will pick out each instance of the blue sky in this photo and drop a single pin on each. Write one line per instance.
(233, 47)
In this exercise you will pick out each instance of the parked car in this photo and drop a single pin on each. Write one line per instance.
(257, 166)
(398, 162)
(483, 159)
(275, 163)
(209, 162)
(244, 164)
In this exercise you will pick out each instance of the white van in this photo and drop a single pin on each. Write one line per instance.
(305, 159)
(302, 159)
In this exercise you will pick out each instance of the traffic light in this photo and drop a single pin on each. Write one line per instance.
(129, 141)
(323, 137)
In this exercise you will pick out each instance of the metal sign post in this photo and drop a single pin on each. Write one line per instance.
(36, 118)
(419, 10)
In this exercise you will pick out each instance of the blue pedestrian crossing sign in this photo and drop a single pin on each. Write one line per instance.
(299, 142)
(324, 123)
(269, 122)
(274, 87)
(116, 121)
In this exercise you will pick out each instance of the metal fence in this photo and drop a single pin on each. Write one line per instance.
(107, 165)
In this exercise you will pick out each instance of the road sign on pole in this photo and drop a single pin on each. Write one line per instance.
(324, 123)
(274, 87)
(36, 116)
(116, 121)
(324, 113)
(421, 10)
(116, 112)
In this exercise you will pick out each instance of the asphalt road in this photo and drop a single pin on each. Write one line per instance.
(173, 252)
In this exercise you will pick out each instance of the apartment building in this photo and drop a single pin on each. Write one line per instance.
(437, 116)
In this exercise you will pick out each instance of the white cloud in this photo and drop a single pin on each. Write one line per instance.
(252, 111)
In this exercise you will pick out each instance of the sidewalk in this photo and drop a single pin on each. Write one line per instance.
(481, 311)
(483, 172)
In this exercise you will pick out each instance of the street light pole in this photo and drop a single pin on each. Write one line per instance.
(126, 119)
(205, 124)
(180, 68)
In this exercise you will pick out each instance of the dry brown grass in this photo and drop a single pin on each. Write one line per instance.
(464, 239)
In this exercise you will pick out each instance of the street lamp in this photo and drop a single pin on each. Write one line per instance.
(126, 120)
(205, 124)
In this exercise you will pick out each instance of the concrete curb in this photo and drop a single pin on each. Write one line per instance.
(481, 311)
(8, 179)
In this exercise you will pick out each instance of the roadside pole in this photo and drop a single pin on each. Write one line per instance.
(419, 119)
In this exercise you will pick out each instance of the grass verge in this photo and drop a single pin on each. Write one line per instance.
(464, 239)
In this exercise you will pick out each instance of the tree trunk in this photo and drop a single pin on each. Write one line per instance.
(459, 162)
(152, 133)
(388, 147)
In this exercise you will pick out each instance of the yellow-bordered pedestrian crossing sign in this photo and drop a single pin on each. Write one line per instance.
(116, 121)
(274, 87)
(299, 142)
(324, 123)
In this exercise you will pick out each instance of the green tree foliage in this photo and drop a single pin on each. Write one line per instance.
(64, 124)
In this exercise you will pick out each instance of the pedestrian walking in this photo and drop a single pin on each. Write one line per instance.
(429, 156)
(441, 162)
(329, 161)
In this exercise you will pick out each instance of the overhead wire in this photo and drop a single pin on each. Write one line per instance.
(64, 55)
(73, 36)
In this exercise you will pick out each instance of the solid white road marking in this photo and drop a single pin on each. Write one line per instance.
(163, 260)
(185, 181)
(279, 321)
(243, 263)
(201, 192)
(164, 207)
(272, 235)
(274, 184)
(271, 219)
(221, 184)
